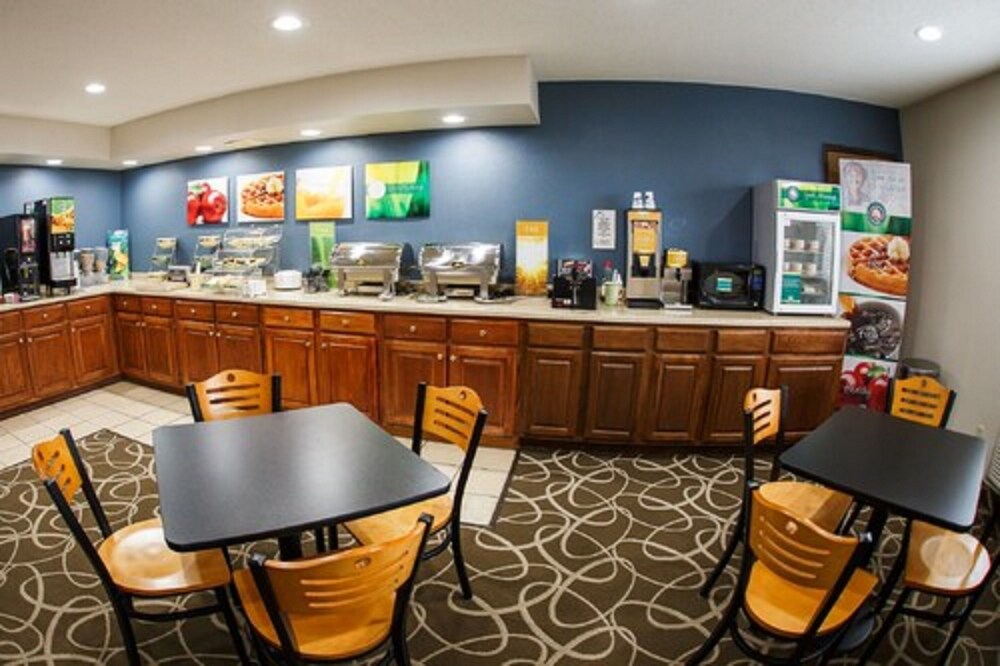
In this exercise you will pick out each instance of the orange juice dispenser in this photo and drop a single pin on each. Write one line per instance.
(642, 275)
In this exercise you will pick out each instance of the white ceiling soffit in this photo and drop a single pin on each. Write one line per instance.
(488, 91)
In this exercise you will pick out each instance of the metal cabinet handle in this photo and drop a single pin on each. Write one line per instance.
(482, 332)
(413, 328)
(45, 315)
(453, 358)
(440, 357)
(192, 310)
(323, 346)
(234, 314)
(30, 340)
(309, 344)
(20, 341)
(87, 308)
(345, 322)
(154, 307)
(287, 318)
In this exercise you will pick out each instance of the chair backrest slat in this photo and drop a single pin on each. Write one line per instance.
(53, 461)
(764, 406)
(233, 394)
(450, 414)
(921, 400)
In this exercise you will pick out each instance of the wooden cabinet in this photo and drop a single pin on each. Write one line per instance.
(492, 373)
(196, 350)
(147, 346)
(238, 347)
(208, 343)
(732, 376)
(678, 391)
(616, 388)
(406, 363)
(813, 382)
(290, 353)
(50, 359)
(161, 350)
(553, 392)
(131, 345)
(94, 356)
(348, 369)
(15, 386)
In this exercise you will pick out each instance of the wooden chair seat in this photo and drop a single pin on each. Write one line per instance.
(141, 563)
(823, 506)
(786, 609)
(393, 524)
(328, 636)
(944, 562)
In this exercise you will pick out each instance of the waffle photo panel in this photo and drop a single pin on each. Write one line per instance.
(875, 264)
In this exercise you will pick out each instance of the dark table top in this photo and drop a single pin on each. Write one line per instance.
(903, 467)
(228, 482)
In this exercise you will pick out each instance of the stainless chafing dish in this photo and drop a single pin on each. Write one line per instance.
(459, 265)
(358, 265)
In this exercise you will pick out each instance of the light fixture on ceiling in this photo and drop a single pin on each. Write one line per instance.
(95, 88)
(929, 33)
(130, 163)
(53, 162)
(287, 23)
(203, 149)
(310, 132)
(453, 119)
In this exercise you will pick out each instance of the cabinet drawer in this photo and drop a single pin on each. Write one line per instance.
(44, 316)
(555, 335)
(415, 328)
(683, 340)
(87, 307)
(347, 322)
(741, 341)
(238, 313)
(10, 322)
(196, 310)
(620, 337)
(808, 342)
(484, 332)
(160, 307)
(128, 303)
(288, 317)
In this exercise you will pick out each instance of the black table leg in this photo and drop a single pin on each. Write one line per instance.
(290, 547)
(874, 527)
(895, 572)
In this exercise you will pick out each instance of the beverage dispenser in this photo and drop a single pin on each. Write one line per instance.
(57, 224)
(643, 272)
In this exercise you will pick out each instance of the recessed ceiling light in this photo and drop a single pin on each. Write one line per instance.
(95, 88)
(53, 162)
(130, 162)
(287, 23)
(930, 33)
(310, 132)
(453, 119)
(203, 149)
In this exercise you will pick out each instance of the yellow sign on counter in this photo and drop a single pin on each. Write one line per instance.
(532, 249)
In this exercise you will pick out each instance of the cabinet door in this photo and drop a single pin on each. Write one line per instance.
(492, 373)
(679, 389)
(347, 371)
(196, 350)
(239, 347)
(290, 353)
(50, 359)
(732, 377)
(813, 382)
(405, 364)
(161, 350)
(553, 390)
(94, 355)
(616, 383)
(131, 345)
(15, 387)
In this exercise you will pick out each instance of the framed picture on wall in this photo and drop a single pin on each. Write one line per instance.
(208, 201)
(397, 190)
(832, 154)
(261, 197)
(323, 193)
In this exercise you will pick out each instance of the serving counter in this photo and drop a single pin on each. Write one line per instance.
(611, 375)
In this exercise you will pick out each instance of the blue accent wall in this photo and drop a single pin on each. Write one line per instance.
(97, 194)
(699, 147)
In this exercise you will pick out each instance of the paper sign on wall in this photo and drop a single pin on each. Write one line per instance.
(603, 232)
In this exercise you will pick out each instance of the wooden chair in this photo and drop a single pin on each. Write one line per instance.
(232, 394)
(921, 400)
(934, 560)
(763, 419)
(456, 415)
(133, 562)
(334, 607)
(800, 586)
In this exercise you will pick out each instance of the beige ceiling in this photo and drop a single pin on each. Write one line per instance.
(155, 55)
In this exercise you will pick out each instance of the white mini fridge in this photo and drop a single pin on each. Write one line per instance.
(796, 237)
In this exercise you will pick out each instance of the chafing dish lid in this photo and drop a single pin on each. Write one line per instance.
(463, 256)
(366, 255)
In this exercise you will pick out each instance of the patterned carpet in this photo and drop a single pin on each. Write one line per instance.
(595, 559)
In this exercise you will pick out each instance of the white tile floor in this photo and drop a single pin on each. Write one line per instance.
(134, 411)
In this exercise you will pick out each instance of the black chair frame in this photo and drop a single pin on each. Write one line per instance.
(749, 479)
(807, 647)
(397, 649)
(122, 602)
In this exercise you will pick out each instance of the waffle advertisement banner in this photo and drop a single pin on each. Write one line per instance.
(532, 248)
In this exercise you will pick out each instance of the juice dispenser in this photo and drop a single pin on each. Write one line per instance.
(643, 273)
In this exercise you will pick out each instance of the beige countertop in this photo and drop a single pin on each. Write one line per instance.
(525, 307)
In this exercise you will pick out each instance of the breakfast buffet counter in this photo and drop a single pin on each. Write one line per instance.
(609, 376)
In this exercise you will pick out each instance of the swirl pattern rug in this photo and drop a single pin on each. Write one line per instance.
(595, 558)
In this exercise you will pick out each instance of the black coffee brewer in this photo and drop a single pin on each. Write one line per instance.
(20, 268)
(574, 285)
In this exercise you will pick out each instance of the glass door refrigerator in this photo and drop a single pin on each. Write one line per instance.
(796, 237)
